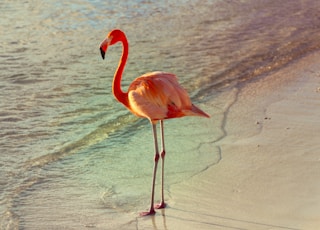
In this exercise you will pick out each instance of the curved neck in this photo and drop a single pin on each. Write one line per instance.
(116, 85)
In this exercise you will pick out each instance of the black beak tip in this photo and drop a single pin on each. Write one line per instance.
(102, 53)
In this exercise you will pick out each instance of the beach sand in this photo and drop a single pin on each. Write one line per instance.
(269, 173)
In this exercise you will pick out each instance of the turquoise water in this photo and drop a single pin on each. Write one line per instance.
(70, 155)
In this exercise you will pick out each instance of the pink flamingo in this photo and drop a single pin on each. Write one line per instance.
(156, 96)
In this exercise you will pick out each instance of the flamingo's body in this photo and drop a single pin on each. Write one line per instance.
(159, 96)
(156, 96)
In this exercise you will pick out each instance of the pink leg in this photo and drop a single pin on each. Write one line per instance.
(163, 153)
(156, 159)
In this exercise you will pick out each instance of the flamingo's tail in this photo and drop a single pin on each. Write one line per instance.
(195, 111)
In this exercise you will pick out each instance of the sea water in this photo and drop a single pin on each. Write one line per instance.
(70, 155)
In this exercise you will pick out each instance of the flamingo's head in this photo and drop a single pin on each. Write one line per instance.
(113, 37)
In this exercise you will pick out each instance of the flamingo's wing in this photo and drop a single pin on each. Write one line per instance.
(157, 95)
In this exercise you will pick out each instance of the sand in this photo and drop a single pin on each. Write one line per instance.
(268, 177)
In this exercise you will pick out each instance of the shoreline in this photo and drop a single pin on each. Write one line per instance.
(266, 177)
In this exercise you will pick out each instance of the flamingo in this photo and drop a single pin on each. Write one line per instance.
(155, 96)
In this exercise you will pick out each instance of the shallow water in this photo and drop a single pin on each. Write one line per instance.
(70, 155)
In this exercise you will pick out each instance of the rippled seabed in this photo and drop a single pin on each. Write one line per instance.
(68, 150)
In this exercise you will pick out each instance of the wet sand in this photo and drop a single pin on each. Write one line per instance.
(268, 177)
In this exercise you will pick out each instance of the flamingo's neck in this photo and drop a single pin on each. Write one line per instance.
(116, 85)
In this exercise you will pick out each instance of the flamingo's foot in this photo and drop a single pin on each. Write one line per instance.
(160, 205)
(150, 213)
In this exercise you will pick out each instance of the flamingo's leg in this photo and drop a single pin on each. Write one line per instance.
(156, 159)
(163, 154)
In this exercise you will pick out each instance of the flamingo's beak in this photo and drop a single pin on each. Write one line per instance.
(102, 52)
(104, 46)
